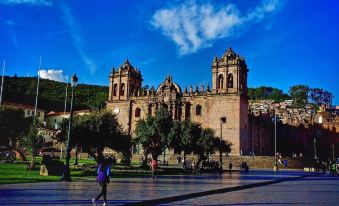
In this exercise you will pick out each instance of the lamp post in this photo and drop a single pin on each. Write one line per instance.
(333, 151)
(66, 175)
(315, 148)
(222, 120)
(275, 141)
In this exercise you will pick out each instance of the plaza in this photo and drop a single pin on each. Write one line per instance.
(259, 187)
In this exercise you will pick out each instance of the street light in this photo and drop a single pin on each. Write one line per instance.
(333, 151)
(222, 120)
(275, 141)
(315, 148)
(67, 176)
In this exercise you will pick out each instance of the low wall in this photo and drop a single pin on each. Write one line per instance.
(253, 162)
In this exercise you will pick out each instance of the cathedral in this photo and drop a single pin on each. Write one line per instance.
(224, 107)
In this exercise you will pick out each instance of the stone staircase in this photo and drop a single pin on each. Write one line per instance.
(261, 162)
(253, 162)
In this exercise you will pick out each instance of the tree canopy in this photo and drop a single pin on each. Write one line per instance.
(299, 94)
(95, 131)
(264, 92)
(13, 129)
(153, 133)
(52, 93)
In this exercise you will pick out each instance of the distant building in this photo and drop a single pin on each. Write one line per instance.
(28, 109)
(53, 119)
(225, 103)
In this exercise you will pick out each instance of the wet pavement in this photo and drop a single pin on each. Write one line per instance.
(206, 189)
(320, 190)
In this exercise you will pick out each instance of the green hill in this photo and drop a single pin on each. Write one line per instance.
(52, 94)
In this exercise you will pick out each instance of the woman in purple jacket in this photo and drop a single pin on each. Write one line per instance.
(104, 171)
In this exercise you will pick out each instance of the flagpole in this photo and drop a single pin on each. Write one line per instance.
(37, 91)
(2, 82)
(66, 96)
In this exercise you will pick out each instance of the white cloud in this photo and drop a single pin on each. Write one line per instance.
(28, 2)
(77, 39)
(193, 26)
(56, 75)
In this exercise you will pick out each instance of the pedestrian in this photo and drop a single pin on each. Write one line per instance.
(333, 166)
(193, 166)
(178, 159)
(103, 172)
(285, 163)
(323, 166)
(230, 166)
(153, 166)
(246, 167)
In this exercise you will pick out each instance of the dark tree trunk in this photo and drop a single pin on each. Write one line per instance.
(220, 156)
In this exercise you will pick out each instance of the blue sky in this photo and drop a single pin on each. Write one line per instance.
(284, 42)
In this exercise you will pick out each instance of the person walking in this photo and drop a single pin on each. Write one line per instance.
(154, 166)
(103, 172)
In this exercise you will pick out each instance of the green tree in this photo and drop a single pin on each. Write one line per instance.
(153, 133)
(95, 131)
(191, 132)
(320, 96)
(264, 92)
(32, 143)
(52, 93)
(205, 144)
(13, 128)
(175, 137)
(299, 94)
(222, 146)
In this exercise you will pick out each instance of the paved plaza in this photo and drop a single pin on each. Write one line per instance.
(236, 188)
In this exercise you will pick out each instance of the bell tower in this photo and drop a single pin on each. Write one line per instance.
(125, 82)
(229, 74)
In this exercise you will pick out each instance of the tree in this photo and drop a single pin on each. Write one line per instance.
(299, 94)
(264, 92)
(153, 133)
(95, 131)
(13, 128)
(175, 137)
(191, 132)
(52, 93)
(320, 96)
(32, 143)
(223, 146)
(205, 144)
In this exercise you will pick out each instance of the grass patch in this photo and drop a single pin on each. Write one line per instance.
(17, 173)
(11, 173)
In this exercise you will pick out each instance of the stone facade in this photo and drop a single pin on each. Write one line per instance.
(223, 108)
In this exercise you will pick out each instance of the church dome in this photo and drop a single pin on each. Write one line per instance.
(168, 84)
(168, 91)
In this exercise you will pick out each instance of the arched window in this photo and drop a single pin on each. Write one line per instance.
(137, 112)
(198, 110)
(230, 81)
(187, 111)
(115, 89)
(165, 106)
(122, 89)
(220, 81)
(179, 112)
(132, 90)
